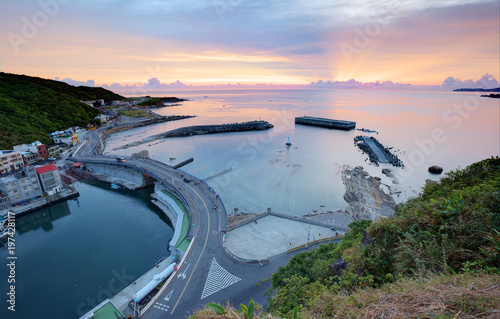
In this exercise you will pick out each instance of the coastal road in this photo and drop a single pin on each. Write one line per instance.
(207, 274)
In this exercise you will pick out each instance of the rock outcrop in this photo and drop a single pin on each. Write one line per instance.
(365, 197)
(434, 169)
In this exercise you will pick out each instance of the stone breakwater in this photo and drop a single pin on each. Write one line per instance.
(205, 129)
(389, 157)
(365, 197)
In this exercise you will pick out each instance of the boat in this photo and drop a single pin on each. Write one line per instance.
(288, 143)
(115, 186)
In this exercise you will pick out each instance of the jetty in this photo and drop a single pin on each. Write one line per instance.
(328, 123)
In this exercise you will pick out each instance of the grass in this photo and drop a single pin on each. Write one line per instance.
(436, 296)
(135, 113)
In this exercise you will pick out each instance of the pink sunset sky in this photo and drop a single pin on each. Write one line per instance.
(213, 42)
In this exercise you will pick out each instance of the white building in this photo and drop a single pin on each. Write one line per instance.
(10, 161)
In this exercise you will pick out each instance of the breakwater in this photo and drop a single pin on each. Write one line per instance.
(328, 123)
(377, 153)
(205, 129)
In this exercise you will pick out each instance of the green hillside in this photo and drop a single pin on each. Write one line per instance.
(32, 107)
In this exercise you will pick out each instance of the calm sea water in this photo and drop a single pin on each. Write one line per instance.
(74, 255)
(255, 170)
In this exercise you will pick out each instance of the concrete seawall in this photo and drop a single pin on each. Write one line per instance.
(214, 129)
(328, 123)
(204, 129)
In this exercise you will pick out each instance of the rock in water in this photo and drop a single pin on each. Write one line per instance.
(434, 169)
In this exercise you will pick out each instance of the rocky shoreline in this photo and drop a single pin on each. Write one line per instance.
(365, 197)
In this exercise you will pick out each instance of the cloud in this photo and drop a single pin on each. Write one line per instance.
(75, 82)
(487, 81)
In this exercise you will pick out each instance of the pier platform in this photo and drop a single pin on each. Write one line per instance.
(324, 122)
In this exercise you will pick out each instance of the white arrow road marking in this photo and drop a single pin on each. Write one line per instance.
(167, 298)
(183, 275)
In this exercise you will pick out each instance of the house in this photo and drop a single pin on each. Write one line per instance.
(42, 152)
(20, 187)
(10, 161)
(32, 148)
(30, 158)
(53, 151)
(50, 179)
(103, 118)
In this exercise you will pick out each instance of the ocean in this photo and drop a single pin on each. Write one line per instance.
(254, 171)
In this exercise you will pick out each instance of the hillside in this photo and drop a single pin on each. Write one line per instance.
(32, 107)
(438, 257)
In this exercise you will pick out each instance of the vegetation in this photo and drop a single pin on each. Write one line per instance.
(136, 113)
(158, 101)
(32, 107)
(437, 257)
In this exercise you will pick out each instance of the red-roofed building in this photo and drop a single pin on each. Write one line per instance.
(50, 178)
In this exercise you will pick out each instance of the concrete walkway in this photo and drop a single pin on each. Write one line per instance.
(272, 235)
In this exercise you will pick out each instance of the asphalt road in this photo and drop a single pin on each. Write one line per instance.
(207, 274)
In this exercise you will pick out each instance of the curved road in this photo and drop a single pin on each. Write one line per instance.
(207, 274)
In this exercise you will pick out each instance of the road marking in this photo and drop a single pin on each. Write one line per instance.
(167, 298)
(161, 306)
(183, 275)
(218, 278)
(199, 257)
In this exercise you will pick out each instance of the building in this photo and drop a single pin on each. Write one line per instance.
(50, 179)
(30, 158)
(54, 151)
(20, 187)
(68, 136)
(10, 161)
(94, 103)
(32, 148)
(42, 152)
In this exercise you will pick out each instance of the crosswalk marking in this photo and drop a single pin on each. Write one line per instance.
(161, 306)
(218, 279)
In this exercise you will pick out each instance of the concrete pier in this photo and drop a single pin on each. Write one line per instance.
(328, 123)
(376, 150)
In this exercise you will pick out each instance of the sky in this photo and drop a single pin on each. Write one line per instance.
(132, 42)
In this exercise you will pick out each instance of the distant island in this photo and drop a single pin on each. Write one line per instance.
(477, 90)
(160, 101)
(493, 96)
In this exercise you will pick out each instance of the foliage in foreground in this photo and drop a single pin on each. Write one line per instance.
(466, 295)
(452, 227)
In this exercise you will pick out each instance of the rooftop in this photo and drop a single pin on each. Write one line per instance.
(46, 169)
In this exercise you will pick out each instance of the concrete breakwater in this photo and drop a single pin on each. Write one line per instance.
(133, 124)
(377, 153)
(328, 123)
(204, 129)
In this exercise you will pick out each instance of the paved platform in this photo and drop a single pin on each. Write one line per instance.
(272, 235)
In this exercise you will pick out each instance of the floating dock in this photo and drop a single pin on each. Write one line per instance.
(328, 123)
